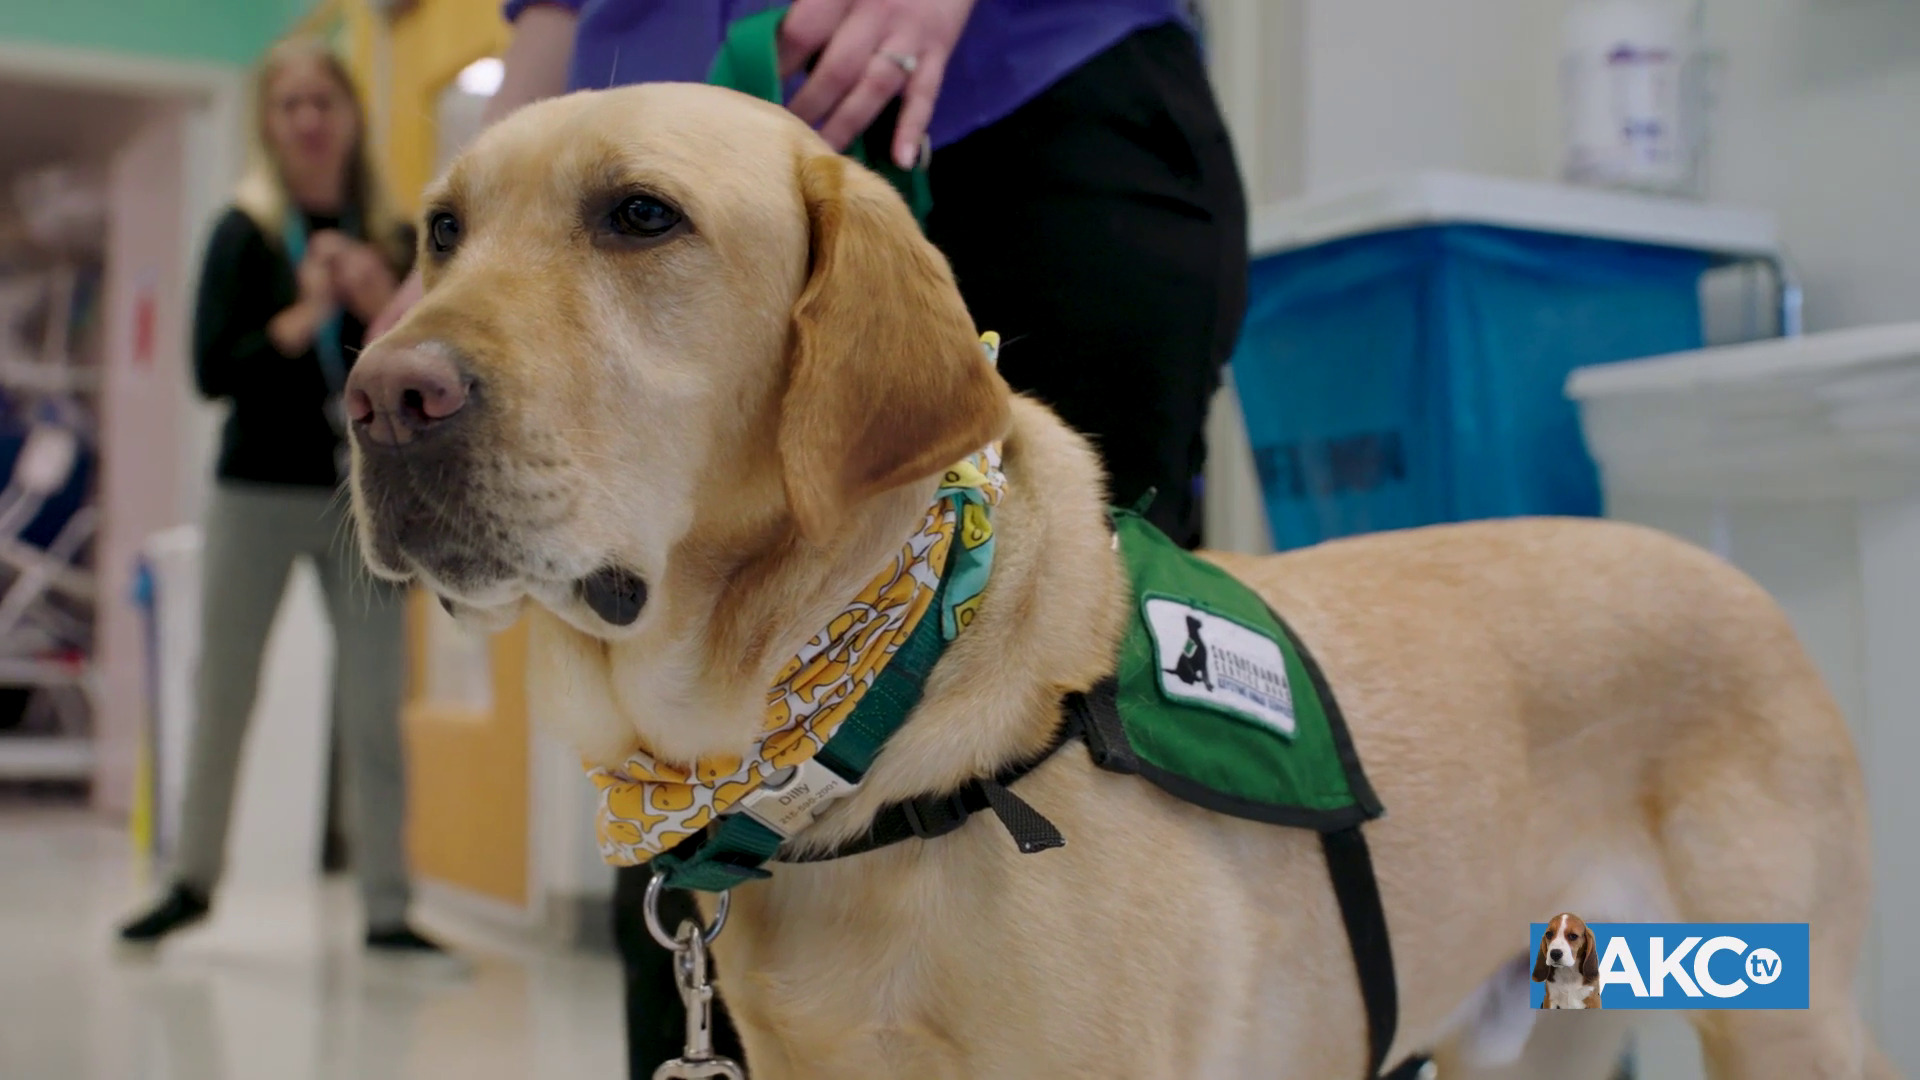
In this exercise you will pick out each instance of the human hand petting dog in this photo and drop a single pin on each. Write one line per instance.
(363, 282)
(870, 52)
(337, 272)
(292, 330)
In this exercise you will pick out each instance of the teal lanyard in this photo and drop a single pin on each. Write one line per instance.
(326, 337)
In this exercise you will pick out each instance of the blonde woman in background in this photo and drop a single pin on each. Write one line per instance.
(307, 255)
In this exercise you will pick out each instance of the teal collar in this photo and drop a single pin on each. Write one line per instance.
(736, 849)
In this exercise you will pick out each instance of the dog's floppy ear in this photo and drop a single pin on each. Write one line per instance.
(887, 383)
(1589, 956)
(1540, 970)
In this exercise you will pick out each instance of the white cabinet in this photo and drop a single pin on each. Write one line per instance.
(1799, 460)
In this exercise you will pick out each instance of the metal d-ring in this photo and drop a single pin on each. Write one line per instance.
(652, 910)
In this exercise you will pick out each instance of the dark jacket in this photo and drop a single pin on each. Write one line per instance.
(278, 432)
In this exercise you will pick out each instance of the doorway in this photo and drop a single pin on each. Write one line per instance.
(110, 169)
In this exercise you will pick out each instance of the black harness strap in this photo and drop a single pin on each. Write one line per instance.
(931, 816)
(1095, 718)
(1350, 865)
(1409, 1069)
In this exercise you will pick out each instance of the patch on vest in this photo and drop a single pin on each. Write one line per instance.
(1217, 663)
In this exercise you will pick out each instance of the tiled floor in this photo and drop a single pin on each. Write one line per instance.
(272, 988)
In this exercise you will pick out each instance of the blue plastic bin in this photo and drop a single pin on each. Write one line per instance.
(1416, 376)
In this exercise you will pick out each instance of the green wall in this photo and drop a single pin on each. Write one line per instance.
(226, 31)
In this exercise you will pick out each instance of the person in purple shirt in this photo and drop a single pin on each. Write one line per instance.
(1008, 52)
(1084, 190)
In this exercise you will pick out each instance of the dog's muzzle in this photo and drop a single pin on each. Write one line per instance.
(421, 487)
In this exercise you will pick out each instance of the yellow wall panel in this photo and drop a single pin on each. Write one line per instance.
(468, 774)
(430, 45)
(467, 767)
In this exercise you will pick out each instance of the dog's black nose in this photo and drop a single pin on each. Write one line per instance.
(1556, 954)
(614, 593)
(395, 395)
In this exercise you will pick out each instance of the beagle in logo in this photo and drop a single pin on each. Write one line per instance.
(1569, 964)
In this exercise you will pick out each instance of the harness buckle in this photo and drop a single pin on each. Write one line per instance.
(956, 814)
(795, 796)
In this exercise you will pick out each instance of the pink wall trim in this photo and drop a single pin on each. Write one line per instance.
(140, 420)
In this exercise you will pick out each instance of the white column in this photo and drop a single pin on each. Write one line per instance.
(1235, 508)
(1889, 737)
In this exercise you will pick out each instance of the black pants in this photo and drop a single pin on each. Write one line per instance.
(1101, 230)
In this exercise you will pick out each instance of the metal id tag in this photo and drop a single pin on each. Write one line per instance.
(795, 796)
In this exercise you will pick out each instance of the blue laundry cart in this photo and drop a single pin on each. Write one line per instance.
(1406, 345)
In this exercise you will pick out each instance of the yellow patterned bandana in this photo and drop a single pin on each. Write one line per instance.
(647, 806)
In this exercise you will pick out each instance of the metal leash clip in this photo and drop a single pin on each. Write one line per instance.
(689, 947)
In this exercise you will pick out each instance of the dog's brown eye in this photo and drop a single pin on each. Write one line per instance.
(1571, 938)
(644, 216)
(443, 232)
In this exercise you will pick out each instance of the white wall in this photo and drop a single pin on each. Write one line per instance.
(563, 844)
(214, 156)
(1322, 92)
(1256, 55)
(137, 492)
(1815, 121)
(166, 184)
(1395, 85)
(1812, 119)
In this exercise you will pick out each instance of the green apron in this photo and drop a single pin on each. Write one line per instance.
(749, 61)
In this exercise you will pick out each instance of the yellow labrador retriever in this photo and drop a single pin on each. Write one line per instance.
(683, 379)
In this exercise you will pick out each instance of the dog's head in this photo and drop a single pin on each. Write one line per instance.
(650, 312)
(668, 336)
(1566, 944)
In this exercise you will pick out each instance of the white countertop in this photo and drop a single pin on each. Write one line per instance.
(1830, 353)
(1436, 198)
(1831, 415)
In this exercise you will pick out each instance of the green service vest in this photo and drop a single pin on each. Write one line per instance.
(1218, 702)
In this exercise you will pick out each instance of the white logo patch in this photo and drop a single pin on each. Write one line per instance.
(1215, 662)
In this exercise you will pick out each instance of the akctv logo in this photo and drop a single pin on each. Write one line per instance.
(1700, 965)
(1617, 967)
(1763, 966)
